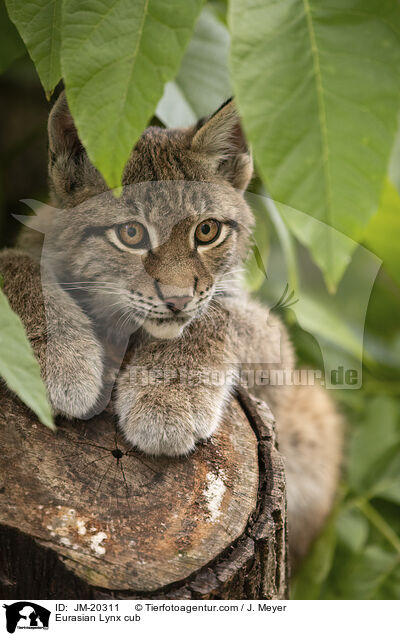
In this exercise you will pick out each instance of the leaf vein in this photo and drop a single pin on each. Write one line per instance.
(321, 115)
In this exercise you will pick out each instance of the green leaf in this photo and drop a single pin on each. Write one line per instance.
(221, 8)
(257, 258)
(18, 365)
(320, 237)
(387, 485)
(394, 164)
(352, 529)
(202, 83)
(383, 231)
(370, 574)
(384, 308)
(11, 45)
(39, 26)
(316, 567)
(116, 57)
(285, 239)
(371, 442)
(317, 87)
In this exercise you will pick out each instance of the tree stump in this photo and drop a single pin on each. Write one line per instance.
(83, 516)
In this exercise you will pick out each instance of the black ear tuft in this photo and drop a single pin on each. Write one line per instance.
(203, 120)
(221, 137)
(226, 102)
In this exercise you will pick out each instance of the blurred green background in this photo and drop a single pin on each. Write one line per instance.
(317, 86)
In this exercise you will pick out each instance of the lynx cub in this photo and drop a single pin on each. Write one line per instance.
(159, 266)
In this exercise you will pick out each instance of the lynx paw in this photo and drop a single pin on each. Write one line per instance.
(73, 374)
(167, 421)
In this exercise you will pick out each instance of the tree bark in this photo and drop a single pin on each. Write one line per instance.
(83, 516)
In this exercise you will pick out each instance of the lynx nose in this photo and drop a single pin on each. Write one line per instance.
(177, 303)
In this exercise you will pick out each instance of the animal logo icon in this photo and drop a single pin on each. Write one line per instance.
(26, 615)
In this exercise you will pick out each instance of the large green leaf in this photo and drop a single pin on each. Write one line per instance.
(11, 45)
(116, 57)
(372, 444)
(383, 231)
(202, 83)
(39, 25)
(18, 365)
(317, 87)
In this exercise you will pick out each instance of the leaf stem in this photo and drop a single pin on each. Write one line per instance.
(379, 523)
(285, 239)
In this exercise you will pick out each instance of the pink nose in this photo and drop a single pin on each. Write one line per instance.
(177, 303)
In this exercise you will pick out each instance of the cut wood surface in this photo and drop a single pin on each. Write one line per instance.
(84, 516)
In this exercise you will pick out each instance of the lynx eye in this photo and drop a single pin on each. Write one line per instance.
(207, 231)
(133, 234)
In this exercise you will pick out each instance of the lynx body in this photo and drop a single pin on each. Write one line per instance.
(151, 280)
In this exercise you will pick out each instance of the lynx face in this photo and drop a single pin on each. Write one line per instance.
(159, 255)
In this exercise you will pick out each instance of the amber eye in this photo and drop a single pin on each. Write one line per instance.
(207, 231)
(133, 234)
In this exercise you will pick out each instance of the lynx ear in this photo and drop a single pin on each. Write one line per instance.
(63, 137)
(70, 170)
(221, 137)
